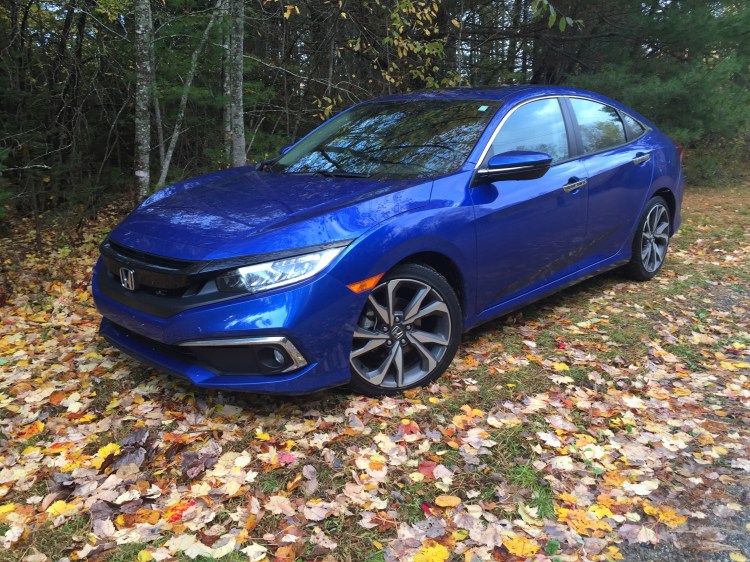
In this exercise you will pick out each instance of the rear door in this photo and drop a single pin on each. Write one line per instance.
(619, 168)
(530, 232)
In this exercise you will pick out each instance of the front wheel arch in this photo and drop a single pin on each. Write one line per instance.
(446, 267)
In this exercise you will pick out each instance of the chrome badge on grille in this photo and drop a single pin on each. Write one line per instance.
(127, 278)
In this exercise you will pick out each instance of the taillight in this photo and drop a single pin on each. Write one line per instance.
(679, 151)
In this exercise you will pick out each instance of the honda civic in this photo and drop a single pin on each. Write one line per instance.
(362, 252)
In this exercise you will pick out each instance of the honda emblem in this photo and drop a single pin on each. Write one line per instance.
(127, 278)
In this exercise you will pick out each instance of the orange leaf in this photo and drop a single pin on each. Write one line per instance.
(447, 501)
(30, 430)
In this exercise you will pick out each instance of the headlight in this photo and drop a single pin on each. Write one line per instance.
(273, 274)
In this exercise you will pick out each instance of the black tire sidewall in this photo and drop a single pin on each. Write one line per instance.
(635, 268)
(424, 274)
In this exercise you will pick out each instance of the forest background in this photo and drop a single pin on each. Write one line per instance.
(104, 100)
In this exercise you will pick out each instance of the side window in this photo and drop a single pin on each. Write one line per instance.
(600, 125)
(633, 128)
(536, 126)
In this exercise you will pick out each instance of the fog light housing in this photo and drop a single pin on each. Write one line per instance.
(273, 358)
(247, 356)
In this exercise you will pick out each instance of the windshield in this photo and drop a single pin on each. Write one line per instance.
(414, 139)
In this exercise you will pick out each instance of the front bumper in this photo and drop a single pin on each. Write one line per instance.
(316, 317)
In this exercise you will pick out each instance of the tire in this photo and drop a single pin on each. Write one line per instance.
(407, 333)
(651, 241)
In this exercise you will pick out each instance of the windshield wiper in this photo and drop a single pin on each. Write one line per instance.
(340, 174)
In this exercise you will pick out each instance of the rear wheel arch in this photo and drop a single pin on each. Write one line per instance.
(668, 196)
(651, 240)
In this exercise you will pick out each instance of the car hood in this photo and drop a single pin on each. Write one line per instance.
(241, 212)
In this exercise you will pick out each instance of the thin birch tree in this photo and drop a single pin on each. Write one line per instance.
(236, 64)
(143, 78)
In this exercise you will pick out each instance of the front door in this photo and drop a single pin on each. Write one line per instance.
(530, 232)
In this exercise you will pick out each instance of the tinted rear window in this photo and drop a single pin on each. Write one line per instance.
(600, 125)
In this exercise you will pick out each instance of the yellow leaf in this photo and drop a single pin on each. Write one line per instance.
(378, 545)
(460, 534)
(262, 435)
(432, 551)
(6, 510)
(60, 507)
(520, 546)
(568, 498)
(560, 367)
(103, 453)
(447, 501)
(144, 556)
(737, 557)
(665, 514)
(600, 511)
(456, 23)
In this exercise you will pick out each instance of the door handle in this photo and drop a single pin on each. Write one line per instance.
(573, 184)
(641, 158)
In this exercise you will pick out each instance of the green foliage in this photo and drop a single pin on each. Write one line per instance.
(692, 102)
(684, 65)
(66, 92)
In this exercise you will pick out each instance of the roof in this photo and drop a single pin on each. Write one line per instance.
(485, 93)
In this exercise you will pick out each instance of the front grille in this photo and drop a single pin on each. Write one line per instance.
(155, 274)
(182, 353)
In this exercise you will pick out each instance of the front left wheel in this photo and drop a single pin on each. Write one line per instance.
(407, 333)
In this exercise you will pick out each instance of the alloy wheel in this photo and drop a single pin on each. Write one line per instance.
(655, 238)
(404, 331)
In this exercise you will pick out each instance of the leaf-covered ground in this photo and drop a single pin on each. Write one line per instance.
(610, 420)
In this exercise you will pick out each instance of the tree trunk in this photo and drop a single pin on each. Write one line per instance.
(226, 80)
(183, 99)
(143, 38)
(237, 110)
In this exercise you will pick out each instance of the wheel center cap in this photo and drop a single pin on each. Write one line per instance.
(397, 332)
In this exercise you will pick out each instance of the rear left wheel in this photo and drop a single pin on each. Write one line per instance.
(651, 241)
(407, 333)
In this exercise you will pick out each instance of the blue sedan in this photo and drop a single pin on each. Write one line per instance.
(362, 253)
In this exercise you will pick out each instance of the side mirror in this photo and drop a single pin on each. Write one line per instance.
(285, 149)
(515, 165)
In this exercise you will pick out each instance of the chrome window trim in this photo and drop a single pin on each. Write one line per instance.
(487, 147)
(298, 360)
(646, 128)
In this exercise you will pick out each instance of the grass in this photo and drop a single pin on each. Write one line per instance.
(53, 542)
